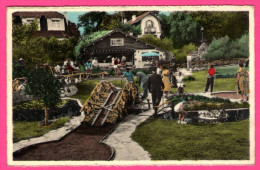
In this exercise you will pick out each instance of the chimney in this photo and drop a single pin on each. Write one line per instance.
(125, 21)
(133, 17)
(66, 17)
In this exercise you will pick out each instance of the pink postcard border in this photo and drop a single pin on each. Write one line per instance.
(3, 79)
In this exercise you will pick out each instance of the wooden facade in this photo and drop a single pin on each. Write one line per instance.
(103, 51)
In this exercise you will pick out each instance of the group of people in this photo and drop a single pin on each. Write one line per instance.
(242, 81)
(116, 62)
(68, 66)
(157, 84)
(90, 64)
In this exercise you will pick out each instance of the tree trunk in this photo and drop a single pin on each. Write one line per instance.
(46, 116)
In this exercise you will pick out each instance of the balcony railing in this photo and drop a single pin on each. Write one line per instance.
(150, 30)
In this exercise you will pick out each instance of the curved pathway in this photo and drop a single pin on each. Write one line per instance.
(121, 141)
(53, 135)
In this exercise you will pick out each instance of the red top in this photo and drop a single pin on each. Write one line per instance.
(212, 71)
(115, 62)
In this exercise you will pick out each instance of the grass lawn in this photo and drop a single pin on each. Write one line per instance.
(168, 140)
(26, 130)
(198, 85)
(85, 88)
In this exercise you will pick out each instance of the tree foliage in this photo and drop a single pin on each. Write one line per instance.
(87, 39)
(181, 53)
(165, 44)
(43, 86)
(136, 30)
(224, 48)
(183, 28)
(91, 21)
(34, 49)
(220, 24)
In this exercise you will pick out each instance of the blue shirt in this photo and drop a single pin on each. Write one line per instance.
(129, 76)
(88, 65)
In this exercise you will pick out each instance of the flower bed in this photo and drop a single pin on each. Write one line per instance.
(203, 109)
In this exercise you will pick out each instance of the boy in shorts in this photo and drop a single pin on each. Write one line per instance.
(179, 108)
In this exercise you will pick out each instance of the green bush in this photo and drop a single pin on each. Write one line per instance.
(189, 78)
(218, 49)
(96, 70)
(181, 54)
(239, 48)
(223, 48)
(165, 44)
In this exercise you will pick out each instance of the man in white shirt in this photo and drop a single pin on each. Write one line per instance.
(189, 59)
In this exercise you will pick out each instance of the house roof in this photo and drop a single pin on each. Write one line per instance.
(139, 18)
(36, 14)
(57, 34)
(73, 29)
(118, 30)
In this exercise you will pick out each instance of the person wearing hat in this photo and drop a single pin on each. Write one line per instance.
(155, 86)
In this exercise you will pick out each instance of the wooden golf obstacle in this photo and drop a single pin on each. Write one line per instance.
(108, 104)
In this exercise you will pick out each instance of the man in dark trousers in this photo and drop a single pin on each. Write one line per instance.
(155, 86)
(210, 79)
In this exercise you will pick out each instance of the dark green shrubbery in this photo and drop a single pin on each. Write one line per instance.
(197, 102)
(223, 48)
(189, 78)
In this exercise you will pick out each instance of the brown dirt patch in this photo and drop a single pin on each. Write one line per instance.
(82, 144)
(228, 95)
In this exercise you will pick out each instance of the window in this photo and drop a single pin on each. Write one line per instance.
(116, 42)
(55, 24)
(29, 21)
(149, 24)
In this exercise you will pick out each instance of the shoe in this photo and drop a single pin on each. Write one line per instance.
(183, 122)
(179, 121)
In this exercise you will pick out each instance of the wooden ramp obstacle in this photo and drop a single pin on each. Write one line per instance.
(108, 104)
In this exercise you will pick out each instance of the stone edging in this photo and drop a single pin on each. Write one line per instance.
(53, 135)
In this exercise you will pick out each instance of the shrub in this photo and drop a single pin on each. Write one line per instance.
(181, 54)
(239, 48)
(189, 78)
(223, 48)
(165, 44)
(218, 49)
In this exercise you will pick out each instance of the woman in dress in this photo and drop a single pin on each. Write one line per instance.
(166, 80)
(242, 81)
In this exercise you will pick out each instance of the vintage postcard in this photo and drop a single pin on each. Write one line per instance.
(130, 85)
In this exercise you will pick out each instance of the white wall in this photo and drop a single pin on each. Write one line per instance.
(157, 25)
(53, 26)
(138, 57)
(25, 21)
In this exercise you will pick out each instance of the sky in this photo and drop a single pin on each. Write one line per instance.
(73, 17)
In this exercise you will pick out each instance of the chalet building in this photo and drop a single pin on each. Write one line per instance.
(50, 24)
(117, 44)
(150, 23)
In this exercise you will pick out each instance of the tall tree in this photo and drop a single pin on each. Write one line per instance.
(183, 28)
(91, 21)
(220, 24)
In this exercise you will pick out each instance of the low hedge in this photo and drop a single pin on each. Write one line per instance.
(197, 102)
(70, 108)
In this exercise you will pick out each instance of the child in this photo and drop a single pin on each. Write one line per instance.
(180, 83)
(179, 108)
